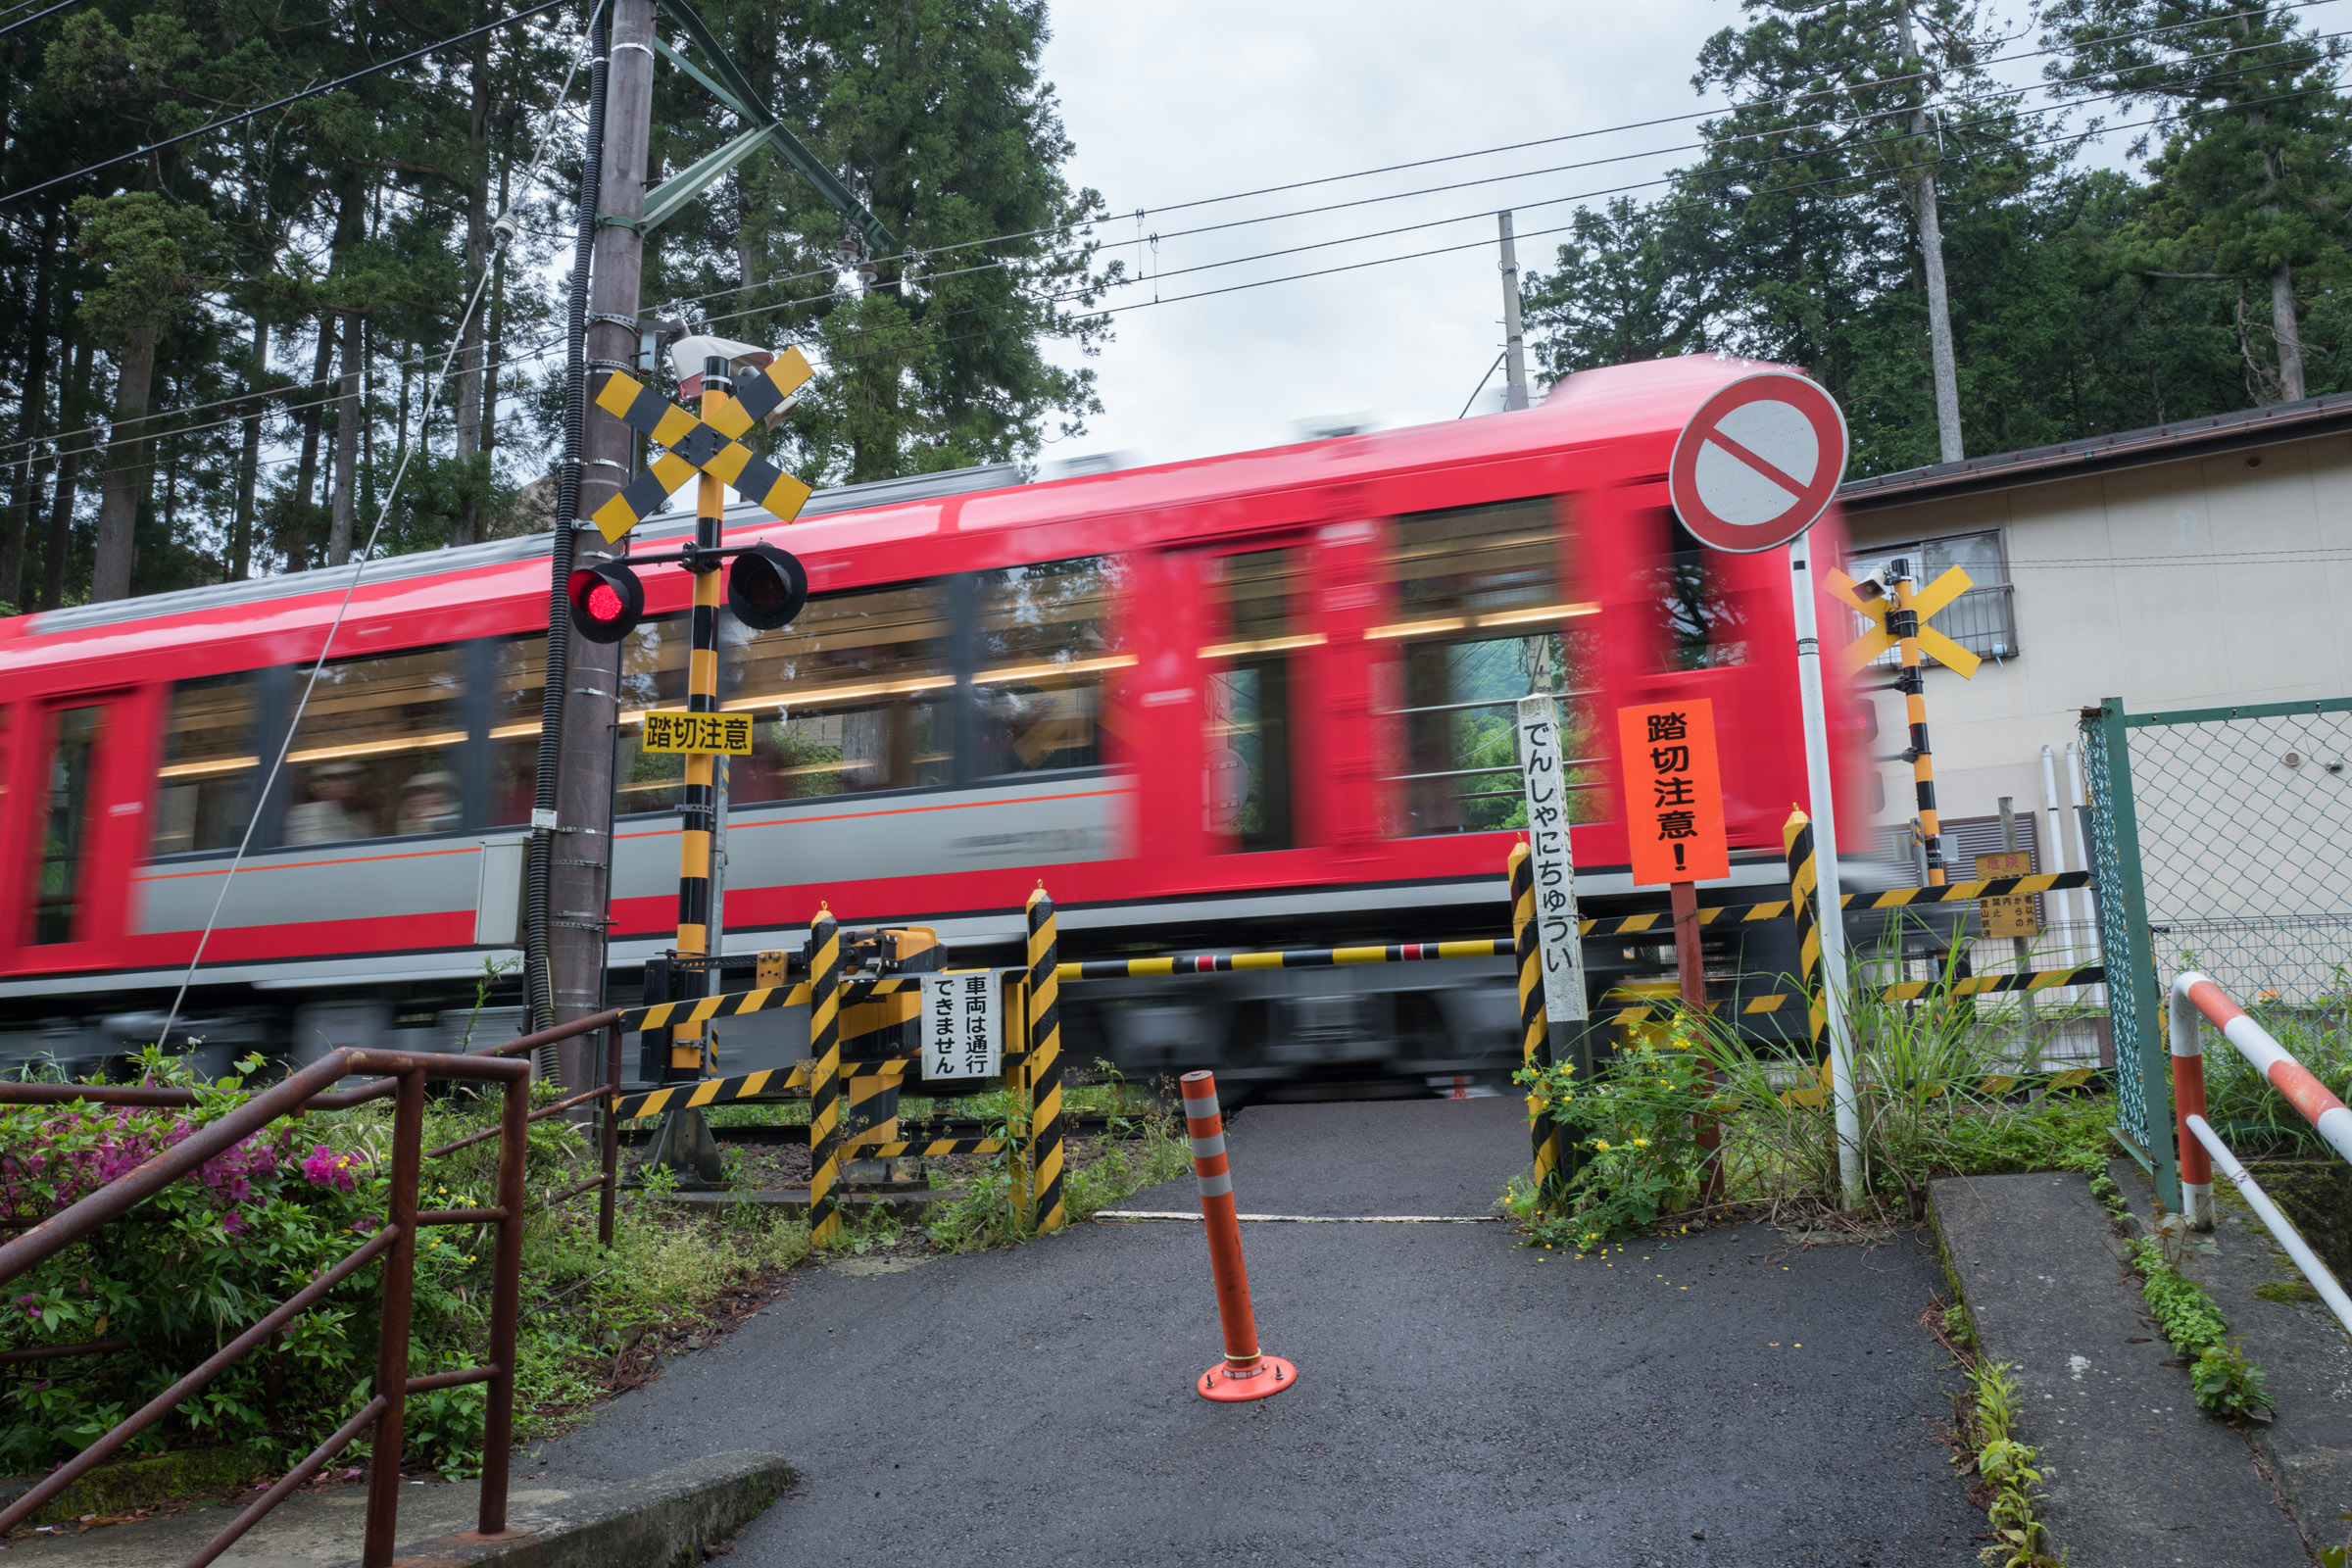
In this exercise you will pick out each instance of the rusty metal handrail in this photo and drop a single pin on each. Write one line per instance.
(404, 1078)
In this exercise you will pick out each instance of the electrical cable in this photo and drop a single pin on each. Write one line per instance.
(28, 22)
(327, 646)
(773, 281)
(291, 99)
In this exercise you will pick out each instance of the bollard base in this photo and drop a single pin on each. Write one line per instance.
(1270, 1377)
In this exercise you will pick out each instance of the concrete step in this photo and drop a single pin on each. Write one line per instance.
(2136, 1475)
(672, 1517)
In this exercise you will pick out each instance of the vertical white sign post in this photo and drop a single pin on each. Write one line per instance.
(1553, 860)
(961, 1024)
(1755, 466)
(1823, 808)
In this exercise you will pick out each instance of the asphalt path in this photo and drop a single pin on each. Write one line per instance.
(1719, 1398)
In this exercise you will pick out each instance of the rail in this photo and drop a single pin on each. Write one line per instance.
(403, 1078)
(2192, 998)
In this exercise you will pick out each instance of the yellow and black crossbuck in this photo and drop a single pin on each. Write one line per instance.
(710, 446)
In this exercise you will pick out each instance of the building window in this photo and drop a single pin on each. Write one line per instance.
(1983, 619)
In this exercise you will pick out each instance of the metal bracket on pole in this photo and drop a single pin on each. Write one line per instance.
(738, 95)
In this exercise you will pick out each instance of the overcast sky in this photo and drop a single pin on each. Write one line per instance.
(1174, 102)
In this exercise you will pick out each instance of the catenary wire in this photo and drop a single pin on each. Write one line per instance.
(26, 21)
(291, 99)
(783, 278)
(274, 395)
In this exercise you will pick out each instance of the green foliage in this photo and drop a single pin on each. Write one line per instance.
(2227, 1384)
(204, 1258)
(2007, 1467)
(1630, 1128)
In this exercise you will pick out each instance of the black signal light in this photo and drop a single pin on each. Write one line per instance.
(767, 588)
(606, 602)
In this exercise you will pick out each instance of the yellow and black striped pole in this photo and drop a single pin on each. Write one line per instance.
(1903, 622)
(825, 1109)
(1043, 1067)
(1535, 1027)
(1797, 838)
(689, 1057)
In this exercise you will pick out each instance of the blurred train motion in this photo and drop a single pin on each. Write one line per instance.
(1248, 701)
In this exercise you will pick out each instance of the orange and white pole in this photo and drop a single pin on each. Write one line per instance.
(2284, 1073)
(1245, 1373)
(2188, 1100)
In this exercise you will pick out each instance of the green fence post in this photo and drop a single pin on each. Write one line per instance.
(2142, 1069)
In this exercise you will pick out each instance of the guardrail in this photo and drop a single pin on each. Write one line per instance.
(403, 1081)
(2193, 996)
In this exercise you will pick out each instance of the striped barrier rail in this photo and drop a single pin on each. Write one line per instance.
(1284, 959)
(771, 1083)
(2193, 996)
(1661, 922)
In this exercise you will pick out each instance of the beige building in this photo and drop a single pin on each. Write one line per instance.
(2193, 565)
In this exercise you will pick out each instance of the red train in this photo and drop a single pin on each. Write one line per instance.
(1241, 701)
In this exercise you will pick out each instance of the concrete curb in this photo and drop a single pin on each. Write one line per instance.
(664, 1521)
(667, 1520)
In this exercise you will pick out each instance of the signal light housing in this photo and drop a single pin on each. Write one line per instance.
(767, 588)
(606, 602)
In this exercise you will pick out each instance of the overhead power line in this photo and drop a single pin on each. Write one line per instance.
(933, 276)
(286, 102)
(549, 346)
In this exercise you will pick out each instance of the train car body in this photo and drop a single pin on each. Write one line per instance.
(1233, 702)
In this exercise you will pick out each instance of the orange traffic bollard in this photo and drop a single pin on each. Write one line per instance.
(1245, 1373)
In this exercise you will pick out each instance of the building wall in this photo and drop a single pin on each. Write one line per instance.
(2147, 583)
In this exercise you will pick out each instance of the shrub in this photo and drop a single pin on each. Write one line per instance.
(1636, 1154)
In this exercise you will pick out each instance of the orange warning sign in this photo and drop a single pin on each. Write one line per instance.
(1673, 792)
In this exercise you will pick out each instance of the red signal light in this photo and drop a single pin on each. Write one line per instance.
(606, 602)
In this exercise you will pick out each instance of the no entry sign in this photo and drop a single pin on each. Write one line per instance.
(1758, 462)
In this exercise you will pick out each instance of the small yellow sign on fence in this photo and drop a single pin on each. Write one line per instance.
(2016, 914)
(727, 733)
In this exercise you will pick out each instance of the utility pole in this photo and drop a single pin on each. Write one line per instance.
(579, 872)
(1931, 251)
(1514, 342)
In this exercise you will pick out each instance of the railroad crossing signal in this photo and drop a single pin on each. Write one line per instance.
(710, 446)
(1925, 603)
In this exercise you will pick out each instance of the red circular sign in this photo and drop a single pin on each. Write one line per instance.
(1757, 465)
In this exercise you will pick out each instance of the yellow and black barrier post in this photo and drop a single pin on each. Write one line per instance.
(1804, 877)
(1534, 1029)
(824, 1079)
(1043, 1069)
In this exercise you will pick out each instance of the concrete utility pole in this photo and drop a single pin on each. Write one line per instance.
(1922, 193)
(1514, 343)
(579, 879)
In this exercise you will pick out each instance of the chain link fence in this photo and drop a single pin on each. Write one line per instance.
(2223, 841)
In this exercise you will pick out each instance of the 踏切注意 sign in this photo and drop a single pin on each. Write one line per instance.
(1673, 792)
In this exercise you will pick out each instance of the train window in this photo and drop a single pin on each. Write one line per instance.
(210, 759)
(1045, 646)
(1248, 774)
(516, 685)
(652, 674)
(856, 695)
(378, 748)
(57, 900)
(1480, 611)
(1700, 626)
